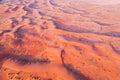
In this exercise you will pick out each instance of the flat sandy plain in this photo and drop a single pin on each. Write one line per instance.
(59, 40)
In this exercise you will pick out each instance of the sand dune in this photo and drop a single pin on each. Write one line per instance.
(59, 40)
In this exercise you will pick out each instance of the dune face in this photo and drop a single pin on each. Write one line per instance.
(59, 40)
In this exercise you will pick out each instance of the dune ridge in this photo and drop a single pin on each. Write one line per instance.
(59, 40)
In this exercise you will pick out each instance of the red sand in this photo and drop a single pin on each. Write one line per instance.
(59, 40)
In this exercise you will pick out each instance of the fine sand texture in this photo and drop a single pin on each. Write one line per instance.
(60, 40)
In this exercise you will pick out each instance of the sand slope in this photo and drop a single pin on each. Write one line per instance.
(59, 40)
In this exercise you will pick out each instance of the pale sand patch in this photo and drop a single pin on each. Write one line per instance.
(102, 2)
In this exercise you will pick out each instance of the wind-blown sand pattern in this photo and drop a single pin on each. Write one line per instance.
(59, 40)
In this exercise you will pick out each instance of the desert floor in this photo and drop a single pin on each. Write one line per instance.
(59, 40)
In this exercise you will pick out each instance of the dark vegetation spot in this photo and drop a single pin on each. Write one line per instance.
(14, 22)
(28, 10)
(53, 3)
(16, 8)
(5, 31)
(34, 5)
(23, 59)
(32, 22)
(18, 41)
(24, 17)
(41, 13)
(19, 33)
(35, 77)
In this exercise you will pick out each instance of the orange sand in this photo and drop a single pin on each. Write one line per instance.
(59, 40)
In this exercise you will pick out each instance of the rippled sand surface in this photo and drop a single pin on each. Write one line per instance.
(59, 40)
